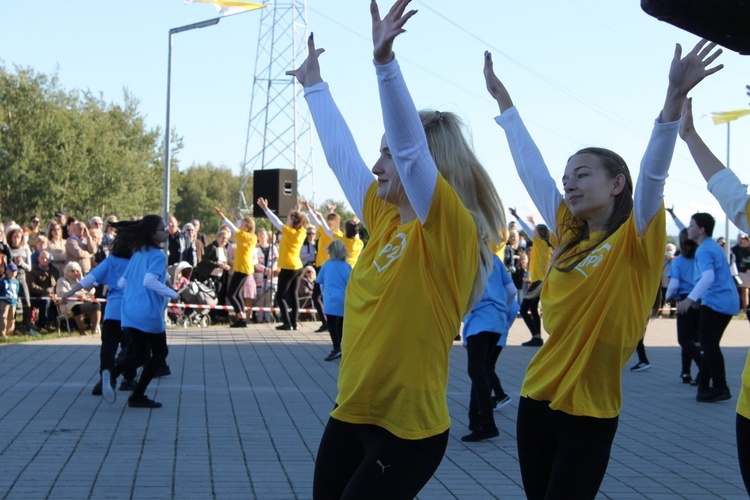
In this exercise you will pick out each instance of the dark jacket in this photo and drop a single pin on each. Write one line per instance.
(42, 283)
(209, 262)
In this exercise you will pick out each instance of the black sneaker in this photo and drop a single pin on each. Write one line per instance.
(640, 367)
(323, 328)
(97, 390)
(143, 402)
(501, 402)
(240, 323)
(481, 434)
(713, 395)
(686, 378)
(333, 355)
(108, 387)
(128, 384)
(534, 342)
(284, 327)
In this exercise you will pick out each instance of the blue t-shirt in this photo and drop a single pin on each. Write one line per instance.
(142, 308)
(9, 290)
(682, 269)
(722, 295)
(333, 278)
(108, 272)
(490, 313)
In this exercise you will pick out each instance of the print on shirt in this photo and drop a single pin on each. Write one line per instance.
(593, 259)
(390, 253)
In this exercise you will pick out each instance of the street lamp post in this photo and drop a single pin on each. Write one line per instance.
(167, 162)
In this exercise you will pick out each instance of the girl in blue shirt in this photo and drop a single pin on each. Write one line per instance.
(333, 278)
(143, 304)
(681, 283)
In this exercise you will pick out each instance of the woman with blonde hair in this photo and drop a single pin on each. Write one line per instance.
(431, 215)
(599, 291)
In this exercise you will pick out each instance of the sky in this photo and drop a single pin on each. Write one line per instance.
(581, 73)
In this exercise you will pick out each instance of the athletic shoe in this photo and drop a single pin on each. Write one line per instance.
(686, 378)
(32, 333)
(97, 390)
(284, 327)
(501, 402)
(143, 402)
(163, 371)
(480, 434)
(323, 328)
(640, 367)
(108, 387)
(128, 385)
(713, 395)
(333, 355)
(240, 323)
(534, 342)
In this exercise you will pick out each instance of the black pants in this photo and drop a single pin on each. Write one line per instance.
(497, 387)
(530, 311)
(640, 349)
(711, 328)
(357, 461)
(562, 455)
(743, 449)
(112, 336)
(479, 349)
(141, 343)
(234, 292)
(288, 283)
(687, 335)
(317, 299)
(47, 311)
(336, 330)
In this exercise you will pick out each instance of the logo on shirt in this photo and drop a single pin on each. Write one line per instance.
(593, 260)
(392, 251)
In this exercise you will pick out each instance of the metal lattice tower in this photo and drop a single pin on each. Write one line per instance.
(279, 131)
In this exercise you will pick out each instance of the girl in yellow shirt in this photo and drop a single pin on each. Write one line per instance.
(603, 279)
(430, 217)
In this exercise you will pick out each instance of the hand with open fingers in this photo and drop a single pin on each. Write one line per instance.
(385, 30)
(513, 212)
(687, 72)
(494, 86)
(687, 127)
(218, 212)
(262, 203)
(530, 218)
(308, 74)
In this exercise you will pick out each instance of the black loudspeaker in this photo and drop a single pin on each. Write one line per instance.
(279, 187)
(722, 21)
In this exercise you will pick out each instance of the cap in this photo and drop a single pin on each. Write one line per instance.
(60, 212)
(11, 267)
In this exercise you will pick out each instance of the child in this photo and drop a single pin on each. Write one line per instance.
(9, 287)
(333, 278)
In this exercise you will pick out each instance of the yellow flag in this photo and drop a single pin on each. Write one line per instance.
(229, 7)
(728, 116)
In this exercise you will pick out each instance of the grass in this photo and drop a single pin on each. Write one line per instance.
(43, 335)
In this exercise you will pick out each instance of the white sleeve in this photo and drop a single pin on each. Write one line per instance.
(526, 228)
(703, 284)
(649, 189)
(274, 220)
(732, 196)
(339, 147)
(320, 223)
(678, 223)
(87, 281)
(674, 285)
(531, 167)
(152, 282)
(229, 224)
(406, 138)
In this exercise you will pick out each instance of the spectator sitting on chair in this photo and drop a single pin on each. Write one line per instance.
(41, 281)
(78, 309)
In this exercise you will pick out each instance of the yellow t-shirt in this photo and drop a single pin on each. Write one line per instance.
(595, 315)
(404, 305)
(243, 253)
(289, 247)
(353, 248)
(743, 403)
(541, 254)
(323, 241)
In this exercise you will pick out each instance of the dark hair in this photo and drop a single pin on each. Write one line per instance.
(298, 219)
(705, 221)
(687, 246)
(120, 247)
(576, 230)
(351, 229)
(141, 233)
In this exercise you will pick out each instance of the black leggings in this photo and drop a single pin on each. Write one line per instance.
(358, 461)
(497, 387)
(743, 449)
(288, 283)
(711, 327)
(336, 330)
(687, 335)
(479, 349)
(111, 337)
(562, 455)
(530, 311)
(234, 292)
(317, 299)
(140, 344)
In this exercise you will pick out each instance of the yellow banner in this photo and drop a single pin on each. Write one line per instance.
(229, 7)
(728, 116)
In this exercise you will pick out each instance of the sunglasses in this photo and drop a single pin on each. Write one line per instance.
(35, 221)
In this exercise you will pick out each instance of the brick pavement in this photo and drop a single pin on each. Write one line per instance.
(244, 410)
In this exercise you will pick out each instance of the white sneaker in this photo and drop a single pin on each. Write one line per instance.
(108, 390)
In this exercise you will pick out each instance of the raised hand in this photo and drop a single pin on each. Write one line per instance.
(494, 86)
(513, 212)
(218, 212)
(308, 74)
(530, 218)
(687, 127)
(262, 203)
(385, 30)
(687, 72)
(304, 204)
(331, 207)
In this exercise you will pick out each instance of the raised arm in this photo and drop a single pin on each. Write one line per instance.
(232, 228)
(528, 160)
(338, 144)
(684, 74)
(263, 204)
(404, 132)
(677, 221)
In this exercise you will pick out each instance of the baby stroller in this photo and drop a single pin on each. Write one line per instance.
(191, 293)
